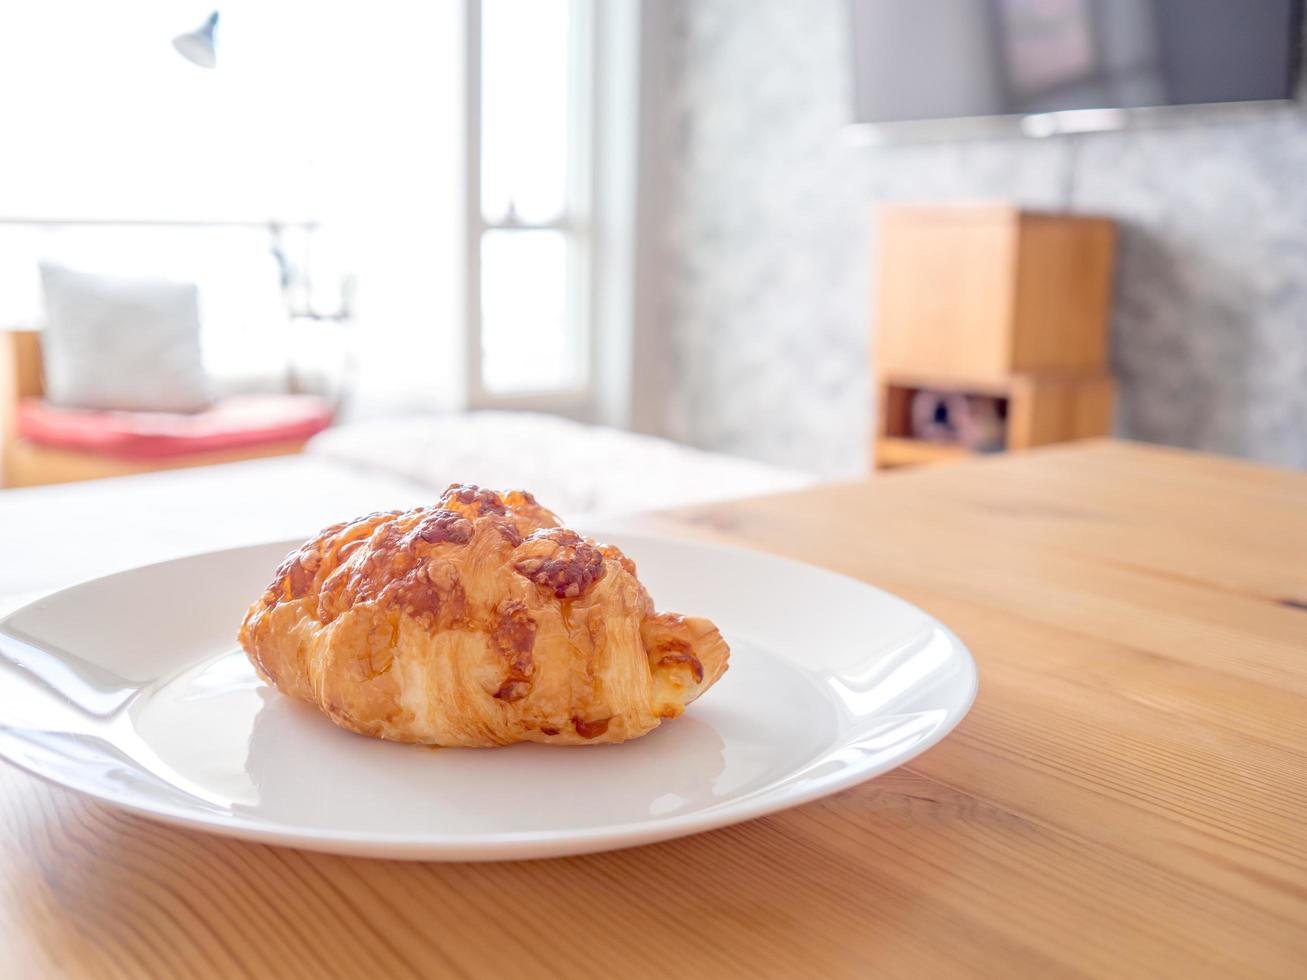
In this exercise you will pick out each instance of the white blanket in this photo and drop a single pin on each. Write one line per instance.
(54, 536)
(573, 469)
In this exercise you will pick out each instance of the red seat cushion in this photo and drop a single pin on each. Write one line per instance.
(232, 423)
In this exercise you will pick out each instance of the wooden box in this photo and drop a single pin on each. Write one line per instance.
(987, 291)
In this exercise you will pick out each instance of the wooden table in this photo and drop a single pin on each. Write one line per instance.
(1128, 796)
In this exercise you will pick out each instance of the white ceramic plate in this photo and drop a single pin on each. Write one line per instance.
(131, 689)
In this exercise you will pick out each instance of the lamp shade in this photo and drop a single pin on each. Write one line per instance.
(199, 46)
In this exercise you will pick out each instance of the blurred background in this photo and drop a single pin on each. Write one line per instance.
(638, 254)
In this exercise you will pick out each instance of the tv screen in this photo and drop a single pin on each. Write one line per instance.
(948, 59)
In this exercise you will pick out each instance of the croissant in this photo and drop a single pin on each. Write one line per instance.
(478, 622)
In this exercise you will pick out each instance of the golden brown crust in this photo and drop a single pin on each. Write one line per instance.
(479, 621)
(560, 561)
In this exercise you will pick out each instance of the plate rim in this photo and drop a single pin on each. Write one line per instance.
(515, 845)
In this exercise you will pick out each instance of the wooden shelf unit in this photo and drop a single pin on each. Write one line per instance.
(895, 451)
(992, 300)
(1041, 409)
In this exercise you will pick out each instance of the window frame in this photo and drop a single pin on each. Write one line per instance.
(577, 221)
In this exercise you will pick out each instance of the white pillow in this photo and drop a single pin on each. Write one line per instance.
(128, 344)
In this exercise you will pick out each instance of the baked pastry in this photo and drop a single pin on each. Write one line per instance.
(479, 621)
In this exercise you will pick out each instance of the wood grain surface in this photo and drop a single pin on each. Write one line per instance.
(1127, 798)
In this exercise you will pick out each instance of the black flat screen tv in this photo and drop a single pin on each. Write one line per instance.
(919, 60)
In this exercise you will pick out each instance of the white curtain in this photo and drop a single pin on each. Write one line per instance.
(344, 113)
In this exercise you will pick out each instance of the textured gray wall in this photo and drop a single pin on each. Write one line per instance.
(767, 248)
